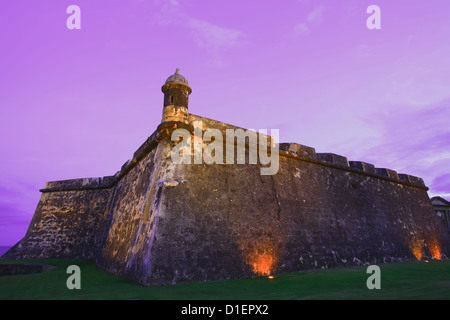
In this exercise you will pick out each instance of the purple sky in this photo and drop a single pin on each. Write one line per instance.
(78, 103)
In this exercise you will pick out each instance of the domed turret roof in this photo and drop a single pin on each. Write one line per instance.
(177, 78)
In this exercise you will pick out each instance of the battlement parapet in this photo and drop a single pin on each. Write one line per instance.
(411, 179)
(296, 150)
(108, 181)
(363, 166)
(79, 184)
(299, 150)
(333, 158)
(387, 173)
(308, 154)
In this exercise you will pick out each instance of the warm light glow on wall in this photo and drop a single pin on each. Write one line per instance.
(435, 249)
(260, 246)
(432, 245)
(262, 264)
(416, 248)
(261, 255)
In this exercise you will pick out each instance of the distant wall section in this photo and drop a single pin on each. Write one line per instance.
(68, 221)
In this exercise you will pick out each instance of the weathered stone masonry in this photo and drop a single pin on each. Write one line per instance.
(156, 222)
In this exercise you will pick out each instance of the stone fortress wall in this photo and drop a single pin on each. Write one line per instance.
(156, 222)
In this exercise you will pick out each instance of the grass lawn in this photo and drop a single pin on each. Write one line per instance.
(408, 280)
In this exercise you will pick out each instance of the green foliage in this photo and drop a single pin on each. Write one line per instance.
(411, 280)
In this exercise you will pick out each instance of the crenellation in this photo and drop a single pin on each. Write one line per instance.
(411, 179)
(299, 150)
(363, 166)
(387, 173)
(404, 177)
(333, 158)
